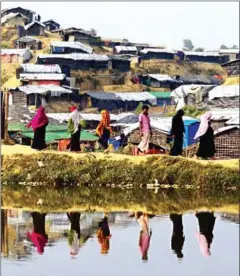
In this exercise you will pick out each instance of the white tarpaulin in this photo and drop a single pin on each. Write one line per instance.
(137, 97)
(224, 91)
(44, 89)
(41, 68)
(224, 113)
(234, 121)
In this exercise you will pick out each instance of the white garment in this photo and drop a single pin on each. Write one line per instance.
(75, 116)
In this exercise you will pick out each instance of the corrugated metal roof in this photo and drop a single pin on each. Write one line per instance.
(224, 91)
(205, 54)
(125, 48)
(19, 52)
(43, 89)
(160, 77)
(73, 45)
(39, 76)
(223, 129)
(137, 97)
(26, 27)
(146, 50)
(27, 39)
(76, 56)
(11, 15)
(41, 68)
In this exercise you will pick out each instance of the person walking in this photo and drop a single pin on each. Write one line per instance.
(104, 130)
(205, 134)
(39, 124)
(177, 132)
(74, 128)
(145, 130)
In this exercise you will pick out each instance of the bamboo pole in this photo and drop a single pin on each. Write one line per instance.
(7, 139)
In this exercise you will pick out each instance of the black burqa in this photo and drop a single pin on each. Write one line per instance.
(75, 140)
(74, 219)
(39, 138)
(206, 221)
(178, 238)
(206, 146)
(177, 130)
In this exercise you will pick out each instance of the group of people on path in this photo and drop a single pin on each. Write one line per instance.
(40, 122)
(205, 134)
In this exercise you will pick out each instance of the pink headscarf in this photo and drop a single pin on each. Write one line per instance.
(205, 119)
(203, 244)
(39, 120)
(38, 240)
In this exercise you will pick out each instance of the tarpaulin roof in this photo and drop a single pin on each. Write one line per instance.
(26, 27)
(27, 39)
(103, 96)
(137, 97)
(73, 45)
(44, 76)
(43, 89)
(76, 56)
(151, 50)
(160, 95)
(41, 68)
(233, 121)
(224, 91)
(223, 129)
(11, 15)
(184, 90)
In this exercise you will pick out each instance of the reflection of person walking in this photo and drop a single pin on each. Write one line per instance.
(39, 124)
(104, 235)
(145, 129)
(177, 235)
(205, 133)
(38, 236)
(145, 234)
(177, 132)
(206, 221)
(75, 232)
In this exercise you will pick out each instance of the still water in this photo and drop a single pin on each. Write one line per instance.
(119, 243)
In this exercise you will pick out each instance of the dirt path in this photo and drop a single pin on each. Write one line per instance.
(19, 149)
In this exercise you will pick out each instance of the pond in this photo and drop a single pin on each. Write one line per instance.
(143, 233)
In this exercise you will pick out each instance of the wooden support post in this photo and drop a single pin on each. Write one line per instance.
(7, 139)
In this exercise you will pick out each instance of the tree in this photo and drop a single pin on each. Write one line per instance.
(187, 45)
(199, 49)
(223, 47)
(234, 47)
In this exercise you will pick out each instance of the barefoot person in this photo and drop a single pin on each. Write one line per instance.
(39, 124)
(205, 134)
(74, 128)
(145, 130)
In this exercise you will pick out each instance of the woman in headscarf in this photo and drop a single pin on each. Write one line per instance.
(103, 129)
(205, 134)
(177, 133)
(206, 221)
(38, 236)
(74, 128)
(39, 124)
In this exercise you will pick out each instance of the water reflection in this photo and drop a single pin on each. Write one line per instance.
(75, 232)
(38, 236)
(178, 238)
(206, 221)
(104, 235)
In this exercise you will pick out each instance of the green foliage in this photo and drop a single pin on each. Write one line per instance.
(223, 47)
(138, 110)
(188, 45)
(192, 111)
(83, 124)
(4, 45)
(199, 49)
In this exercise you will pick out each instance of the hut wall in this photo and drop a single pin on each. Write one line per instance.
(210, 59)
(153, 55)
(158, 138)
(11, 59)
(19, 98)
(121, 65)
(35, 30)
(227, 144)
(16, 21)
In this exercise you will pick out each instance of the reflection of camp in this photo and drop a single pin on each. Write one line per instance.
(231, 217)
(4, 233)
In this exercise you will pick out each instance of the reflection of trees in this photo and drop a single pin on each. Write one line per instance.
(4, 233)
